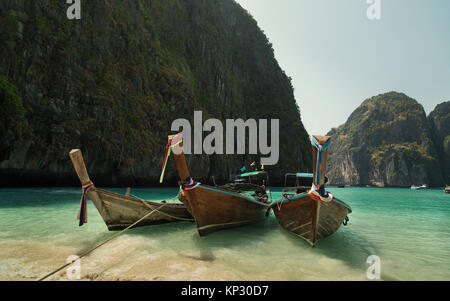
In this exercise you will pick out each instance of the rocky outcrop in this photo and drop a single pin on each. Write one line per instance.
(386, 141)
(439, 121)
(113, 82)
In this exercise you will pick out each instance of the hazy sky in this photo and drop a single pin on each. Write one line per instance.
(337, 57)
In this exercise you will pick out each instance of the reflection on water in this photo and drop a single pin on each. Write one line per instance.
(408, 230)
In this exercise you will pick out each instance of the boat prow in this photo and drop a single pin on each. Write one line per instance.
(312, 214)
(310, 219)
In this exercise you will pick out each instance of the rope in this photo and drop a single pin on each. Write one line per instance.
(138, 198)
(279, 204)
(99, 245)
(166, 214)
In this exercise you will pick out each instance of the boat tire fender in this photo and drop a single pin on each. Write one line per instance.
(345, 221)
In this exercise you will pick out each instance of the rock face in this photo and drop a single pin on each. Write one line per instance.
(112, 83)
(386, 141)
(439, 121)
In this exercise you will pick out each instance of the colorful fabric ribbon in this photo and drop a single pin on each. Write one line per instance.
(173, 142)
(189, 185)
(82, 213)
(320, 149)
(320, 194)
(166, 158)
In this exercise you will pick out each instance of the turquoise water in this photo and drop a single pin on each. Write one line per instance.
(409, 231)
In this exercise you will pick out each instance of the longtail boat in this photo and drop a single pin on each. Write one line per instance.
(314, 213)
(120, 211)
(253, 183)
(213, 208)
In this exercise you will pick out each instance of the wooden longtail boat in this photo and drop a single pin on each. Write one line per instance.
(120, 211)
(312, 214)
(253, 183)
(214, 208)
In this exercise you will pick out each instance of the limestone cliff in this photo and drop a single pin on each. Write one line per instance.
(386, 141)
(439, 121)
(112, 83)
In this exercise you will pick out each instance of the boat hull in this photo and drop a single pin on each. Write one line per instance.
(310, 219)
(119, 211)
(215, 209)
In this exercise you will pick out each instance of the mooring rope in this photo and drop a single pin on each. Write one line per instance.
(163, 213)
(101, 244)
(140, 199)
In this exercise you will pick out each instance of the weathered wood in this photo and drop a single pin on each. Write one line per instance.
(322, 139)
(179, 157)
(310, 219)
(78, 163)
(120, 211)
(123, 211)
(214, 208)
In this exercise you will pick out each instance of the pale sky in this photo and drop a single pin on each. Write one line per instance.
(337, 57)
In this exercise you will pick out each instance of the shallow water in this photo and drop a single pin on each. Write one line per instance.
(409, 230)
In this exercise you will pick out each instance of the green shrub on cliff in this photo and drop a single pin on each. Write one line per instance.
(12, 113)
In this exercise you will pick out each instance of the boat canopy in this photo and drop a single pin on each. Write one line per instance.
(302, 178)
(254, 173)
(304, 175)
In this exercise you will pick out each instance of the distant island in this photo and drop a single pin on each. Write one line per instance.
(388, 141)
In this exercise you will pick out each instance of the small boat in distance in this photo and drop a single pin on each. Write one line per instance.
(415, 187)
(447, 189)
(250, 183)
(214, 208)
(120, 211)
(312, 213)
